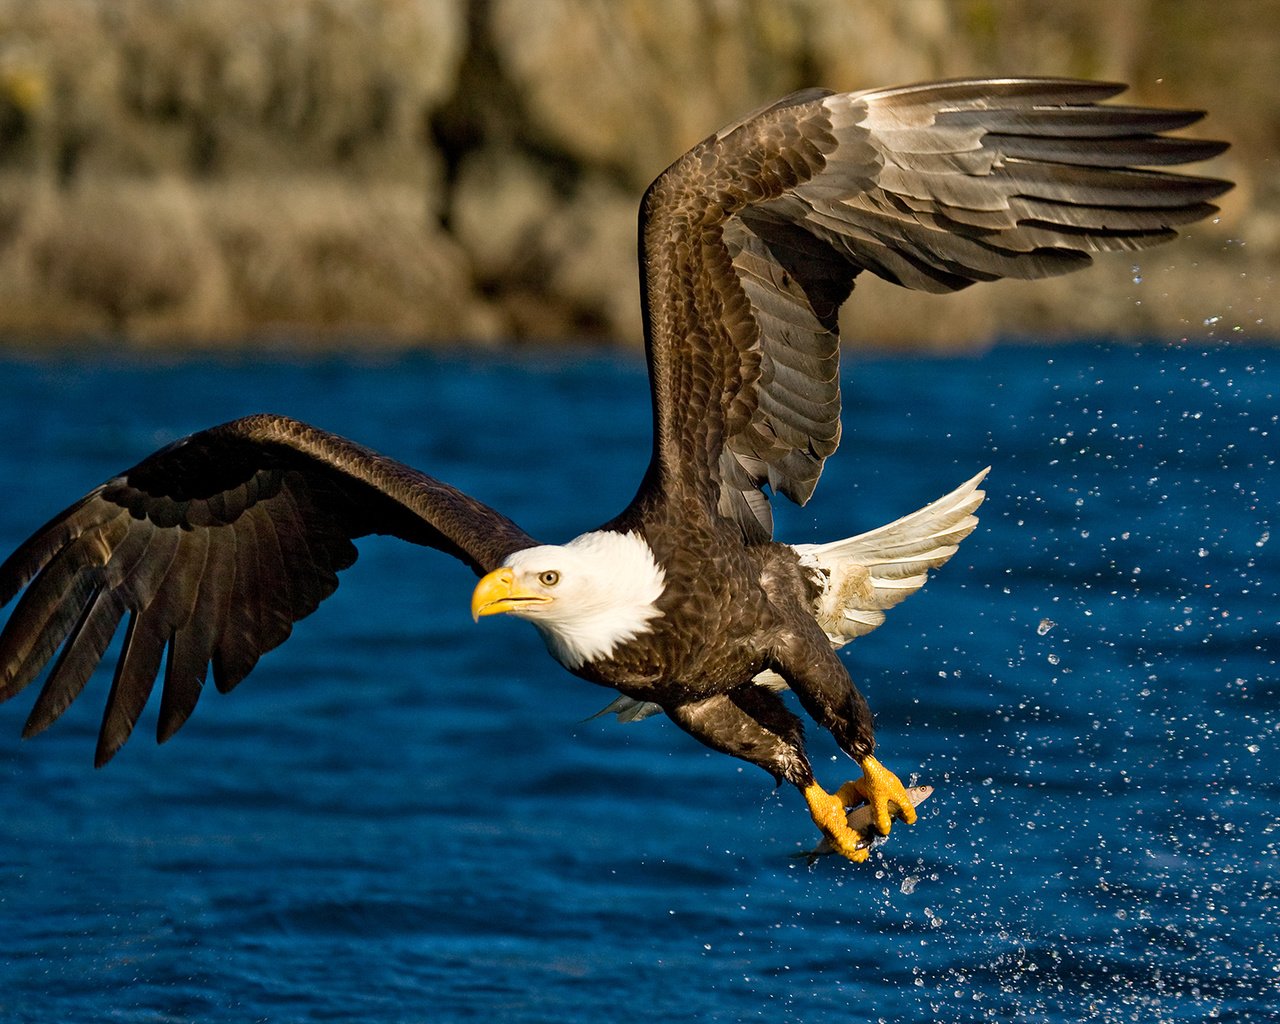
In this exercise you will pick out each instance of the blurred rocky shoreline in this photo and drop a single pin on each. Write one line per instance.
(216, 173)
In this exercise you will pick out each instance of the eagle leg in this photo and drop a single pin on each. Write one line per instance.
(825, 690)
(752, 723)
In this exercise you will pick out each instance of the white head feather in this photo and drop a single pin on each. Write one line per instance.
(605, 589)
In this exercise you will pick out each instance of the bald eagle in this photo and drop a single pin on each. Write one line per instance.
(213, 547)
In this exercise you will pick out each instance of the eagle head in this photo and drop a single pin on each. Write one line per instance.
(586, 597)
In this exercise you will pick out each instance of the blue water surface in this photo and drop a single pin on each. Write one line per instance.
(404, 816)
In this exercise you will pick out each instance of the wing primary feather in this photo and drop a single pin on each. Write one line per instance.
(983, 94)
(1072, 121)
(1056, 216)
(41, 622)
(1116, 152)
(53, 601)
(309, 586)
(235, 651)
(83, 650)
(43, 545)
(134, 679)
(193, 641)
(273, 582)
(186, 668)
(145, 587)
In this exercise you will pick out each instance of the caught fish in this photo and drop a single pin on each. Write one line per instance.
(859, 820)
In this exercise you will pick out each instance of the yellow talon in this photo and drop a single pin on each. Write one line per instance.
(884, 792)
(880, 789)
(827, 812)
(851, 823)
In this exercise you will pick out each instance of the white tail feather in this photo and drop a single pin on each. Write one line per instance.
(862, 576)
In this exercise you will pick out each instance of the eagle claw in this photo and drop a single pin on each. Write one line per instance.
(827, 811)
(880, 788)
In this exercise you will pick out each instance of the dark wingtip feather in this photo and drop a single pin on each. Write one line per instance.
(34, 725)
(1204, 149)
(186, 669)
(1108, 151)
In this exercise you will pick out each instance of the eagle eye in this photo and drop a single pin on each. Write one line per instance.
(549, 578)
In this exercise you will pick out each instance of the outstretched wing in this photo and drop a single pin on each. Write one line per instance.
(214, 547)
(751, 242)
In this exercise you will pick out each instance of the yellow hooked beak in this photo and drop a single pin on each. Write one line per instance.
(500, 592)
